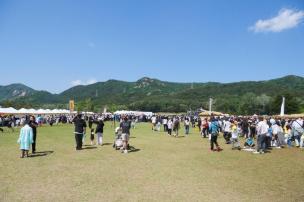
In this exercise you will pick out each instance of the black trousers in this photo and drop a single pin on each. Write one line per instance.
(78, 138)
(34, 144)
(227, 136)
(205, 132)
(213, 141)
(165, 127)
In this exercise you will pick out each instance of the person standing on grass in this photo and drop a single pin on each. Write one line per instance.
(298, 130)
(80, 129)
(235, 136)
(25, 139)
(227, 130)
(214, 131)
(33, 124)
(153, 121)
(169, 126)
(205, 128)
(176, 126)
(99, 130)
(165, 123)
(125, 127)
(262, 131)
(187, 126)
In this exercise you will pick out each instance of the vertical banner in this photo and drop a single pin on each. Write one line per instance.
(72, 105)
(282, 113)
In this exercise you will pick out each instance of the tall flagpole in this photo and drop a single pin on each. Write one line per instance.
(210, 105)
(283, 107)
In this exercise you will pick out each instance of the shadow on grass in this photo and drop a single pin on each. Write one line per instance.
(132, 137)
(89, 148)
(133, 149)
(40, 154)
(105, 144)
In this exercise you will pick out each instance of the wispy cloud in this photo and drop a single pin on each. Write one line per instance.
(80, 82)
(286, 19)
(91, 45)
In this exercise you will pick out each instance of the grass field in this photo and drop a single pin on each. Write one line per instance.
(161, 168)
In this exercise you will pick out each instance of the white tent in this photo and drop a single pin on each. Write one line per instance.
(22, 111)
(9, 110)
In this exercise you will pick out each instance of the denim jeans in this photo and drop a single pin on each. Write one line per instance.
(261, 142)
(186, 130)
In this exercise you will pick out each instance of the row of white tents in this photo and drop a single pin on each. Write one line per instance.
(12, 110)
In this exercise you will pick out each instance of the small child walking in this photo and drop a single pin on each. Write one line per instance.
(92, 136)
(235, 136)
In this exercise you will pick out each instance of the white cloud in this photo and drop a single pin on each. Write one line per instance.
(91, 45)
(286, 19)
(80, 82)
(91, 81)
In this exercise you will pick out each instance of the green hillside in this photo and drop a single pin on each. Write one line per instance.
(246, 97)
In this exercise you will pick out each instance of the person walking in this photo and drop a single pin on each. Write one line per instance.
(25, 139)
(187, 126)
(214, 131)
(80, 129)
(99, 131)
(125, 127)
(227, 130)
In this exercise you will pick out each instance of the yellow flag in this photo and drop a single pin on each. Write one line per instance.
(72, 105)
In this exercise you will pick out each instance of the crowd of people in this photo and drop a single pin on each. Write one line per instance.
(259, 134)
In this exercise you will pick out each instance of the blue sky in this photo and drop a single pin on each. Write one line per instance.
(54, 44)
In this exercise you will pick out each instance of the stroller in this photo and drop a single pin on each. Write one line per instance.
(118, 140)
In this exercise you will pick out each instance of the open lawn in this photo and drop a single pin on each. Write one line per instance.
(161, 168)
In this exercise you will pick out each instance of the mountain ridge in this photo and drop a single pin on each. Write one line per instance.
(156, 95)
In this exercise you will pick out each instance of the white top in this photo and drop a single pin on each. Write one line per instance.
(227, 126)
(153, 119)
(170, 123)
(262, 128)
(297, 124)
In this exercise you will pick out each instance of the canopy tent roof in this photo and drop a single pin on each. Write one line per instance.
(207, 113)
(11, 110)
(136, 113)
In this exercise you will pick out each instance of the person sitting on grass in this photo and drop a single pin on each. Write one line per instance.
(25, 139)
(249, 143)
(235, 136)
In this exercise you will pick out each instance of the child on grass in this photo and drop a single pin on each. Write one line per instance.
(235, 136)
(92, 136)
(249, 143)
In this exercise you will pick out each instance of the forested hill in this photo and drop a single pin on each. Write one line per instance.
(246, 97)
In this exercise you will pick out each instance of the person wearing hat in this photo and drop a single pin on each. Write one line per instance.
(80, 129)
(25, 139)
